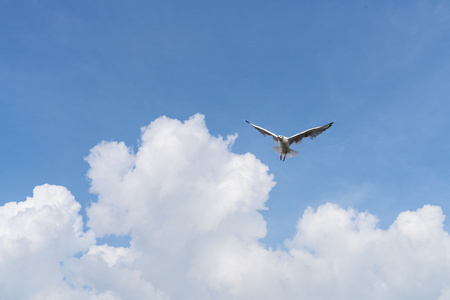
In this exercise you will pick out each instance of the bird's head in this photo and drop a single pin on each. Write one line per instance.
(281, 137)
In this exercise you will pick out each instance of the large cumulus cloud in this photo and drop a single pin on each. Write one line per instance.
(191, 208)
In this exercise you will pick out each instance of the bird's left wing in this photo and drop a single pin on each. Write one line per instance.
(311, 133)
(264, 131)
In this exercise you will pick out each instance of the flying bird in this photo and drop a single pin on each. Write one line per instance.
(285, 142)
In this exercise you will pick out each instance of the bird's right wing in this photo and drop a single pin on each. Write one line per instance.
(264, 131)
(311, 133)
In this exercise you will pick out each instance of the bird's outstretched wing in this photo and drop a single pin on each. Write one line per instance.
(264, 131)
(311, 133)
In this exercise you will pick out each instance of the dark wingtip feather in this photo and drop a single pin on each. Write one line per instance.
(247, 121)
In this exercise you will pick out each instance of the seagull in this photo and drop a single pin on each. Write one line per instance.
(285, 142)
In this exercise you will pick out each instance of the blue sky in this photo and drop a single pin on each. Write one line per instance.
(75, 74)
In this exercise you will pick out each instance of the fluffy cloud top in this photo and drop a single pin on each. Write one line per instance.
(191, 208)
(36, 236)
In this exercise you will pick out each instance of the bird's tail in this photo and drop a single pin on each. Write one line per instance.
(291, 153)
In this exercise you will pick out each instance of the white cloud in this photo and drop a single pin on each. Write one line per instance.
(35, 237)
(106, 272)
(410, 260)
(191, 208)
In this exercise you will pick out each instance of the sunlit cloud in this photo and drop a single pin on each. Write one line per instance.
(191, 208)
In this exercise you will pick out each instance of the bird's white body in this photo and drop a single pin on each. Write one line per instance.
(284, 143)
